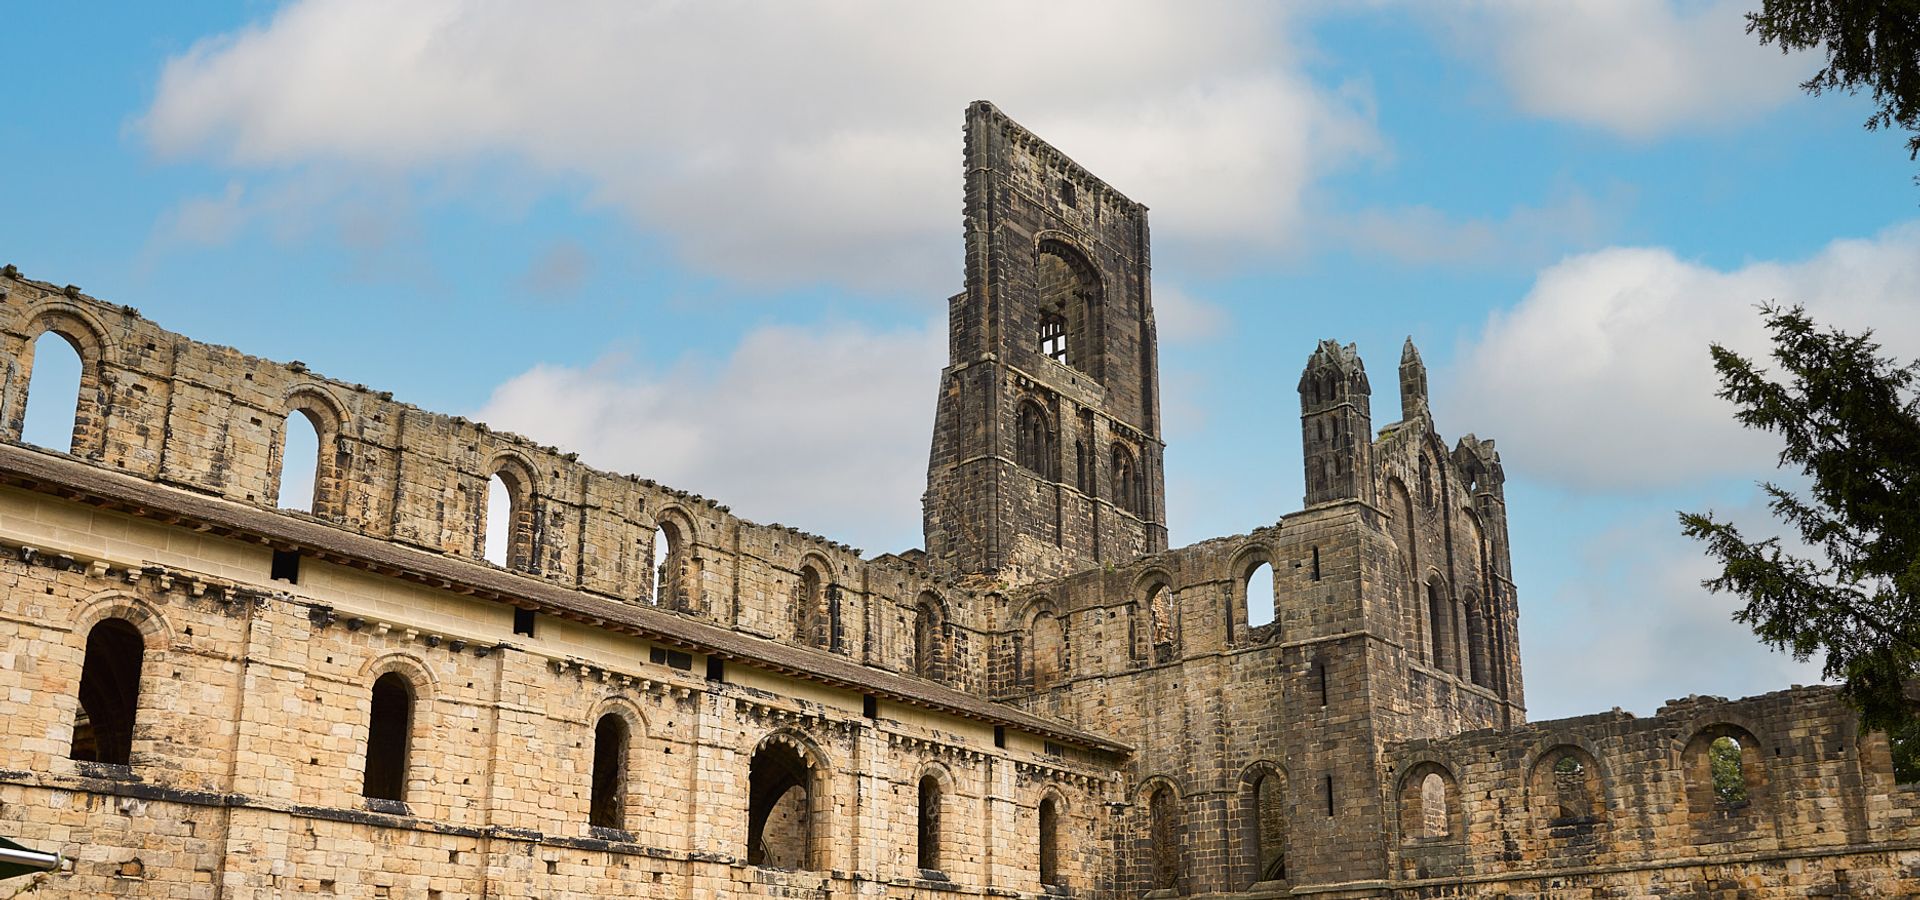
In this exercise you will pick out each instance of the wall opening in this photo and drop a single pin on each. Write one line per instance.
(299, 463)
(1049, 643)
(1126, 480)
(285, 566)
(926, 638)
(1440, 627)
(1163, 839)
(1729, 774)
(809, 601)
(1904, 745)
(523, 620)
(928, 830)
(662, 572)
(1316, 563)
(1326, 788)
(1269, 828)
(1069, 301)
(53, 394)
(1050, 842)
(1320, 680)
(1035, 441)
(109, 693)
(1160, 624)
(1433, 806)
(780, 809)
(389, 731)
(1260, 595)
(508, 518)
(1573, 795)
(1053, 337)
(611, 738)
(1478, 661)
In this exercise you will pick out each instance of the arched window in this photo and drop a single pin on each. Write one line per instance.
(1433, 803)
(1729, 771)
(1126, 481)
(1426, 480)
(928, 831)
(927, 627)
(809, 607)
(1478, 661)
(1035, 452)
(780, 809)
(1259, 591)
(299, 462)
(109, 693)
(1427, 803)
(509, 518)
(1050, 842)
(1160, 622)
(611, 738)
(1069, 301)
(1049, 643)
(1082, 468)
(53, 393)
(663, 587)
(389, 734)
(1440, 623)
(1267, 827)
(1163, 839)
(1573, 792)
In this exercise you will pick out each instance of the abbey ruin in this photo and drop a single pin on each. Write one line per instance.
(209, 696)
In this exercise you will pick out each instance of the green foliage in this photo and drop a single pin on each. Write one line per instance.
(1873, 44)
(1729, 780)
(1850, 423)
(1906, 752)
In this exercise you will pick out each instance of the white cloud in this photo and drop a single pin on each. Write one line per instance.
(780, 143)
(1183, 318)
(1600, 378)
(1632, 627)
(1637, 68)
(824, 429)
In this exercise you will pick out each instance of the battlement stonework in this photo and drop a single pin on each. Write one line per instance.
(207, 695)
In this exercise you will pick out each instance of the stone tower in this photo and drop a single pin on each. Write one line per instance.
(1046, 445)
(1336, 424)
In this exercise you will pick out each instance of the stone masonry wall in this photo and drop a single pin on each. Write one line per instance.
(1821, 813)
(251, 735)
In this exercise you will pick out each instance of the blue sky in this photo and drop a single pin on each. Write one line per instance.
(712, 243)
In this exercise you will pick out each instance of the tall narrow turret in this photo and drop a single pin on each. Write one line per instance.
(1413, 382)
(1336, 423)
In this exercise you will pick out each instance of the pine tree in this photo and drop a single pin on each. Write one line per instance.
(1850, 421)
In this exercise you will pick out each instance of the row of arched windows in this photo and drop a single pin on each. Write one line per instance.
(305, 462)
(1722, 769)
(1258, 837)
(1034, 451)
(784, 797)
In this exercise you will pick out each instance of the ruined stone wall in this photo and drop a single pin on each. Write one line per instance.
(1045, 237)
(252, 726)
(1160, 653)
(1815, 810)
(212, 420)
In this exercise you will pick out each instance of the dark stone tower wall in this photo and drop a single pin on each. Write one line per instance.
(1046, 452)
